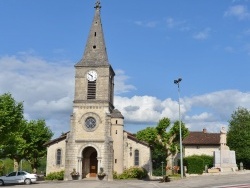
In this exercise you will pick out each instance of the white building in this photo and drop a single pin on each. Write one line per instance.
(199, 143)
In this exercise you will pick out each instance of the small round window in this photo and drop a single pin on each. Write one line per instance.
(90, 123)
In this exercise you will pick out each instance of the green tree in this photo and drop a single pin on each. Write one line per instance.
(148, 135)
(164, 140)
(14, 146)
(170, 140)
(11, 116)
(20, 139)
(36, 134)
(238, 136)
(11, 122)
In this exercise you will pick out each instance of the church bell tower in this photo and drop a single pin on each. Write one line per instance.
(89, 145)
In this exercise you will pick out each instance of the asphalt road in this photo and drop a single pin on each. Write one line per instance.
(239, 180)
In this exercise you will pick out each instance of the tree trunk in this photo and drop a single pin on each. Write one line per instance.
(169, 161)
(16, 165)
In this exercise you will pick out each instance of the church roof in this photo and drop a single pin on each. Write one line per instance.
(64, 137)
(56, 140)
(132, 137)
(116, 114)
(202, 138)
(95, 53)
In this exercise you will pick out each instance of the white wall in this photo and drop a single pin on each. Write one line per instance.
(199, 150)
(144, 154)
(51, 157)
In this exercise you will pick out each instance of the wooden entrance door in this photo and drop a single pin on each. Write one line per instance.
(93, 164)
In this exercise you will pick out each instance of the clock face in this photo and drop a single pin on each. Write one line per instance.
(90, 123)
(91, 75)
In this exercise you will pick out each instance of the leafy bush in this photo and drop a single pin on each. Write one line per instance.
(115, 175)
(7, 166)
(132, 172)
(2, 167)
(55, 176)
(207, 160)
(195, 164)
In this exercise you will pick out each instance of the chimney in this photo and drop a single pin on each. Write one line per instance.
(204, 130)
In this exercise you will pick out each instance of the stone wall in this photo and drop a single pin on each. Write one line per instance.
(144, 154)
(117, 135)
(51, 157)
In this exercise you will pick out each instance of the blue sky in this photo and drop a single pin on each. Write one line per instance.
(149, 43)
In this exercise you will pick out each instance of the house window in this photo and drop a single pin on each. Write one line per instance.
(136, 157)
(58, 157)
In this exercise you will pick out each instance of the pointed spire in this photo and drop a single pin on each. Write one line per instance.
(95, 53)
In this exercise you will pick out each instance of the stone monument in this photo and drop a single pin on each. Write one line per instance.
(224, 158)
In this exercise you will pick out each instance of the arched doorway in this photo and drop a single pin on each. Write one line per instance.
(89, 162)
(93, 164)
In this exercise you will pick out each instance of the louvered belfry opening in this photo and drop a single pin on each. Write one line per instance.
(91, 90)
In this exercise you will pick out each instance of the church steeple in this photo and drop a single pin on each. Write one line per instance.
(95, 53)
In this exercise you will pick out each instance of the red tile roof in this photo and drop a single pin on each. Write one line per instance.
(202, 138)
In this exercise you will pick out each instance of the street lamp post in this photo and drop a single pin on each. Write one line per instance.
(181, 157)
(162, 168)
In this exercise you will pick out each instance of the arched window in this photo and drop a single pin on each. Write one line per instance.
(136, 157)
(58, 157)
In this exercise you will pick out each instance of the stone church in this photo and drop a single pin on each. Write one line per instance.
(97, 139)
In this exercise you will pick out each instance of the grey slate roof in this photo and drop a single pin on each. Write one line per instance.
(95, 53)
(116, 114)
(132, 137)
(56, 140)
(64, 136)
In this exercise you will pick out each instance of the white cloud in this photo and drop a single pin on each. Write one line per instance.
(137, 109)
(169, 22)
(120, 86)
(172, 23)
(149, 24)
(223, 103)
(46, 87)
(47, 91)
(202, 35)
(199, 117)
(238, 11)
(216, 108)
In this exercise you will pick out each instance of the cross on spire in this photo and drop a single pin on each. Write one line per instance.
(95, 53)
(98, 5)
